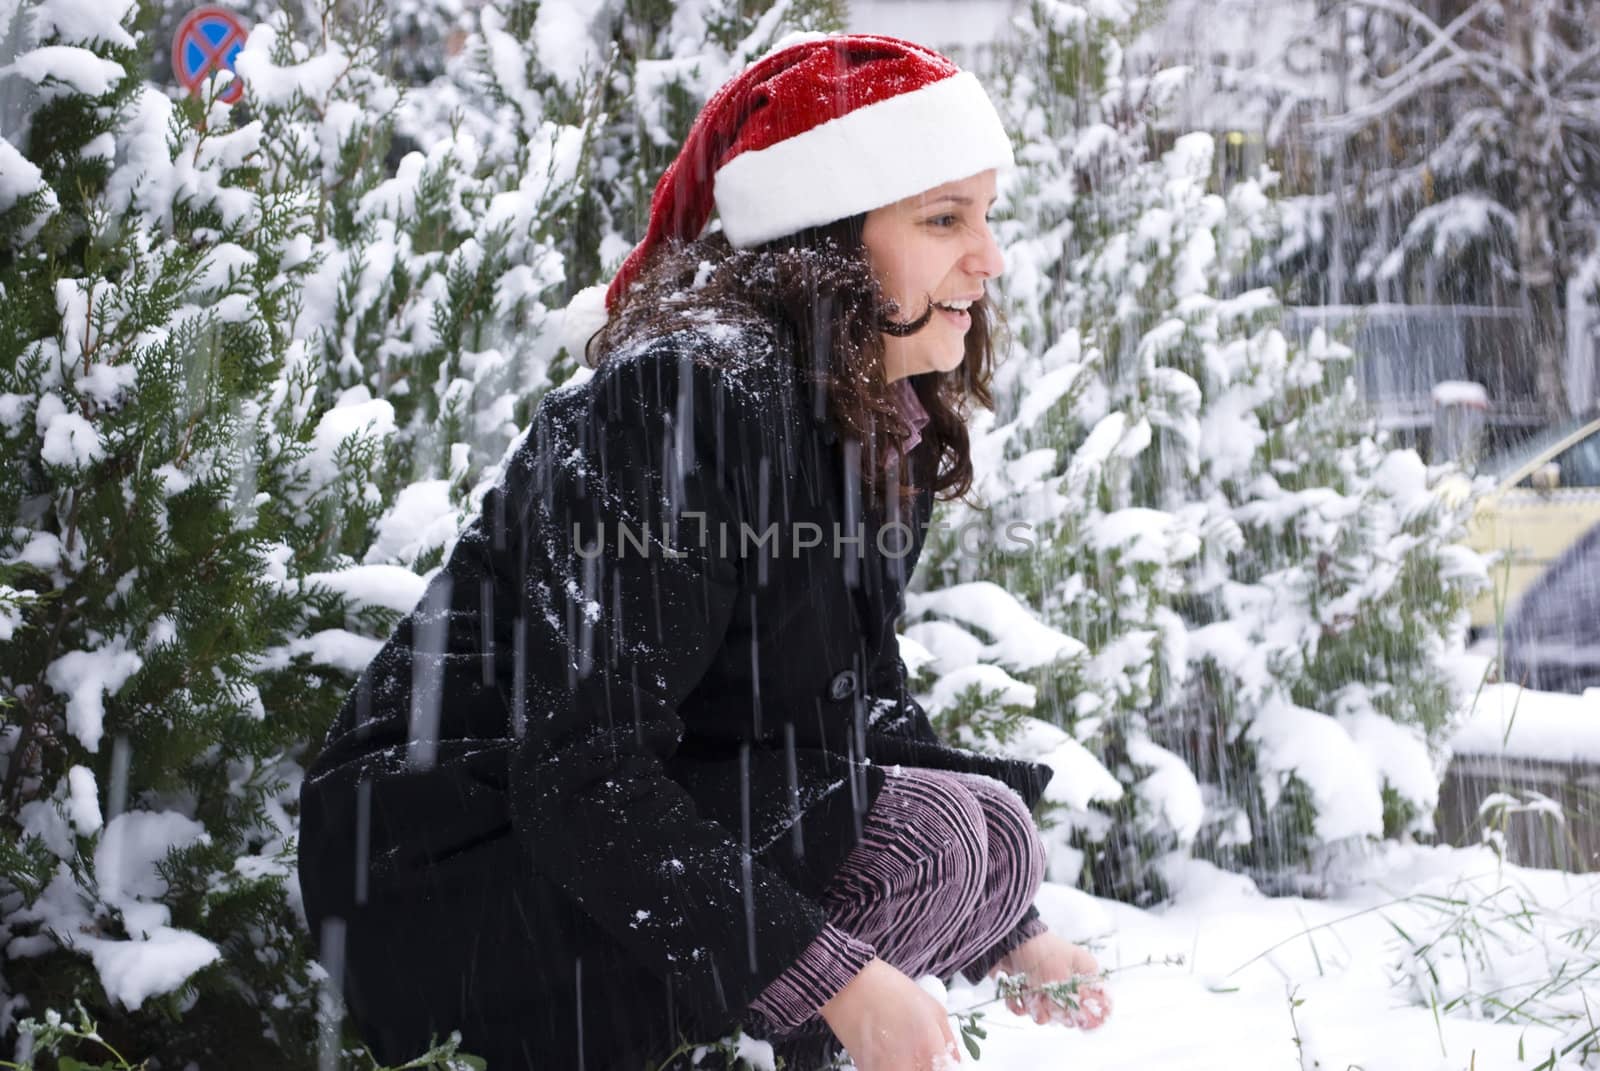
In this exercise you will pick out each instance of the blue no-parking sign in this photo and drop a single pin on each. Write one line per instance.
(207, 41)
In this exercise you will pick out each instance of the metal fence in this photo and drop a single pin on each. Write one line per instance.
(1533, 837)
(1404, 351)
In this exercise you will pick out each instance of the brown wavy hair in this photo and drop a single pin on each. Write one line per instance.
(818, 290)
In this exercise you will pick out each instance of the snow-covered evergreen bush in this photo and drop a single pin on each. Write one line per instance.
(241, 356)
(172, 483)
(1244, 601)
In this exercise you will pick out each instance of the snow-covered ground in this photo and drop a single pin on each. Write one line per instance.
(1509, 956)
(1204, 981)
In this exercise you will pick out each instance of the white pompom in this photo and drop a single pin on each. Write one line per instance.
(584, 315)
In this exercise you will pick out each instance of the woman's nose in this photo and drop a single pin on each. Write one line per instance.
(987, 260)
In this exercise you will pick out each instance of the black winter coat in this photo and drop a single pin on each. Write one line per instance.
(583, 804)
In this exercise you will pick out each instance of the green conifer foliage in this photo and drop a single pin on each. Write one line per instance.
(178, 489)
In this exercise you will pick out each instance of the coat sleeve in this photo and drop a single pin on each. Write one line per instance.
(610, 639)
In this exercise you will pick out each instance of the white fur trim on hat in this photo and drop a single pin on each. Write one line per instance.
(584, 315)
(873, 156)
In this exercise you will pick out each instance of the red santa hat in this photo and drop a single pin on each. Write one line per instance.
(822, 128)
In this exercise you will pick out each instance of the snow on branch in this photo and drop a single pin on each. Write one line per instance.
(1352, 122)
(1443, 38)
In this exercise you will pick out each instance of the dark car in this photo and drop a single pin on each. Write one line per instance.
(1552, 635)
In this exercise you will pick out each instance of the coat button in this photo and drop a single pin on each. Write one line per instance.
(843, 685)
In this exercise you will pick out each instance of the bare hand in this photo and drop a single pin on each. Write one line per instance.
(887, 1022)
(1048, 957)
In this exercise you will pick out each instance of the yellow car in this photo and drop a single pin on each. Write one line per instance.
(1546, 495)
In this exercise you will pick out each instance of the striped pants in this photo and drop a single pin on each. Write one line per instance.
(942, 880)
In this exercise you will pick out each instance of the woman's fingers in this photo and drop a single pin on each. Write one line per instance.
(1088, 1008)
(1093, 1007)
(1042, 1008)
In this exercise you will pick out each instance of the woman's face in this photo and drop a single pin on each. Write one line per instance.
(934, 246)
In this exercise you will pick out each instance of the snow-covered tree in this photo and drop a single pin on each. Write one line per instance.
(438, 279)
(1226, 565)
(1462, 165)
(245, 365)
(172, 486)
